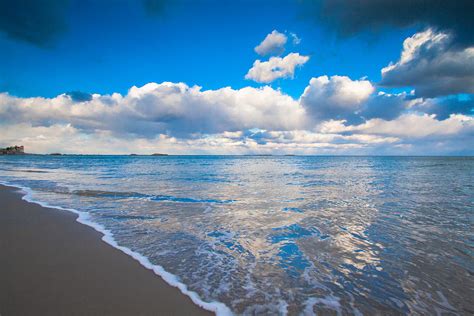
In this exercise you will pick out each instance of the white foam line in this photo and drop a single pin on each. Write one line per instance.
(219, 308)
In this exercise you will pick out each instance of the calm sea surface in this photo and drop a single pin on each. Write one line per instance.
(296, 235)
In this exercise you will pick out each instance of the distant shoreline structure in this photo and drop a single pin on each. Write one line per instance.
(155, 154)
(20, 150)
(13, 150)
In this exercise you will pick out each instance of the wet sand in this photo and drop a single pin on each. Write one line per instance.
(52, 265)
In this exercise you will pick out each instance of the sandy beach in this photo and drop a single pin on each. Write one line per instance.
(52, 265)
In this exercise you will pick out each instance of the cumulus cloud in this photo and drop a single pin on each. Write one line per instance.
(335, 97)
(275, 68)
(431, 65)
(273, 44)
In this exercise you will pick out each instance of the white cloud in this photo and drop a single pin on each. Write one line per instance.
(175, 118)
(311, 138)
(173, 108)
(417, 126)
(335, 97)
(273, 44)
(432, 65)
(275, 67)
(417, 134)
(296, 39)
(67, 139)
(410, 125)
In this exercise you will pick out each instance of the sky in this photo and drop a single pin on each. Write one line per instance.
(306, 77)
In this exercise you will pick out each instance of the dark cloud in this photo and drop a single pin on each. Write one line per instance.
(385, 106)
(443, 108)
(352, 17)
(41, 22)
(37, 22)
(155, 7)
(432, 67)
(78, 96)
(391, 106)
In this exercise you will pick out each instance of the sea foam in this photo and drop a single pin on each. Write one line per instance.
(219, 308)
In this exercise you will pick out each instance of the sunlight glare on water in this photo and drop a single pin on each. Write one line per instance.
(294, 235)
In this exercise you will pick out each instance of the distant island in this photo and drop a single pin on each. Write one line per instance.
(20, 150)
(155, 154)
(13, 150)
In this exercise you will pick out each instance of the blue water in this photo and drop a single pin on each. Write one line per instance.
(296, 235)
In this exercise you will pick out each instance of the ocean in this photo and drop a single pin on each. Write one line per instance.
(279, 234)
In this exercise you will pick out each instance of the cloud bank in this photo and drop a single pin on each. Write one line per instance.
(167, 108)
(176, 118)
(333, 115)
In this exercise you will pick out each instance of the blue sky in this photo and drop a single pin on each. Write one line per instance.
(233, 77)
(104, 48)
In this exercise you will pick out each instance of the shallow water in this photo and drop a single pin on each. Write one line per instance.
(296, 235)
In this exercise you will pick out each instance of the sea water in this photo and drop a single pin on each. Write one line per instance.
(279, 234)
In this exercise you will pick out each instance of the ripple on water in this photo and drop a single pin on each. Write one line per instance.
(351, 235)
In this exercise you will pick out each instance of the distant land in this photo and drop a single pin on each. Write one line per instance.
(13, 150)
(20, 150)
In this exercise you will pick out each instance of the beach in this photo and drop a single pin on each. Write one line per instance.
(248, 235)
(52, 265)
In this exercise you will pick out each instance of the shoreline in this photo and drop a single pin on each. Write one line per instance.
(55, 263)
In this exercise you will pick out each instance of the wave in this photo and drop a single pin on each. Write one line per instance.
(32, 170)
(110, 194)
(188, 200)
(219, 308)
(157, 198)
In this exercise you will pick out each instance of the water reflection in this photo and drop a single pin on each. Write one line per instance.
(344, 235)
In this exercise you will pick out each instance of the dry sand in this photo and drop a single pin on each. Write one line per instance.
(52, 265)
